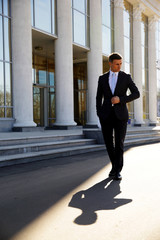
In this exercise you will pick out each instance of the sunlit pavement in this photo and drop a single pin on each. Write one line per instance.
(73, 198)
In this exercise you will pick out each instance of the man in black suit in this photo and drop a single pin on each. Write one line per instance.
(112, 111)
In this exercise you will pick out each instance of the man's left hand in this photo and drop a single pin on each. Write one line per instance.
(115, 100)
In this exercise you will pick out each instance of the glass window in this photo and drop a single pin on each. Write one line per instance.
(1, 39)
(6, 7)
(127, 67)
(80, 93)
(42, 77)
(127, 49)
(9, 112)
(53, 17)
(127, 24)
(128, 43)
(52, 110)
(106, 13)
(80, 13)
(7, 39)
(79, 5)
(1, 112)
(5, 61)
(51, 78)
(144, 43)
(106, 40)
(128, 35)
(8, 84)
(0, 6)
(107, 26)
(5, 73)
(33, 76)
(32, 12)
(43, 15)
(1, 85)
(43, 90)
(79, 28)
(158, 67)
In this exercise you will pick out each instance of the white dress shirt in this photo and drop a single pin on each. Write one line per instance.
(113, 76)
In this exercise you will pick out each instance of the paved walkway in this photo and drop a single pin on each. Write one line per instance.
(72, 198)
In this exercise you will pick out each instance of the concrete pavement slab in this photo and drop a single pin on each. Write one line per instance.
(74, 199)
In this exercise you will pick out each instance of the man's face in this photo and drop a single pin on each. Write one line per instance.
(116, 65)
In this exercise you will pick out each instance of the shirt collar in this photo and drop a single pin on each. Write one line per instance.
(114, 72)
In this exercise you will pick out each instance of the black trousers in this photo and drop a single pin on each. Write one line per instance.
(114, 131)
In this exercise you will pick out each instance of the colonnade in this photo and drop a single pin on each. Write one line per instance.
(22, 61)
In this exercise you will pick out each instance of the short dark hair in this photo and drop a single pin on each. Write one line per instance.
(114, 56)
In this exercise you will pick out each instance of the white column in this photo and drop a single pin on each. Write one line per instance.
(152, 70)
(22, 63)
(137, 63)
(64, 65)
(94, 64)
(119, 28)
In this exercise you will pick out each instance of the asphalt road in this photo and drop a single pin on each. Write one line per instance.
(72, 198)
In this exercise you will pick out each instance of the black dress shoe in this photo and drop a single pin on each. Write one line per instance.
(118, 177)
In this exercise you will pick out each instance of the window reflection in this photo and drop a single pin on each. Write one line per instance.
(53, 17)
(1, 39)
(41, 77)
(43, 15)
(43, 90)
(8, 84)
(9, 112)
(80, 13)
(107, 26)
(0, 6)
(32, 18)
(144, 44)
(127, 50)
(6, 7)
(127, 23)
(1, 85)
(128, 35)
(51, 78)
(127, 67)
(79, 5)
(106, 13)
(79, 27)
(158, 67)
(2, 112)
(7, 39)
(37, 100)
(5, 61)
(128, 43)
(106, 40)
(80, 93)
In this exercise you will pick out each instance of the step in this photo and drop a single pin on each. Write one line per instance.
(67, 151)
(132, 131)
(142, 135)
(17, 150)
(140, 141)
(48, 154)
(38, 139)
(35, 147)
(130, 136)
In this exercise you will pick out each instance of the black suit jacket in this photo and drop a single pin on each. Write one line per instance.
(104, 95)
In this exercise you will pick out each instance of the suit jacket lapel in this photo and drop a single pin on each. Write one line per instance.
(107, 82)
(118, 82)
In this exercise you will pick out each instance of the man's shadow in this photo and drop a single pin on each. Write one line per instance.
(101, 196)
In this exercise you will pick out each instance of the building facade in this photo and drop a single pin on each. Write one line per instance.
(53, 51)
